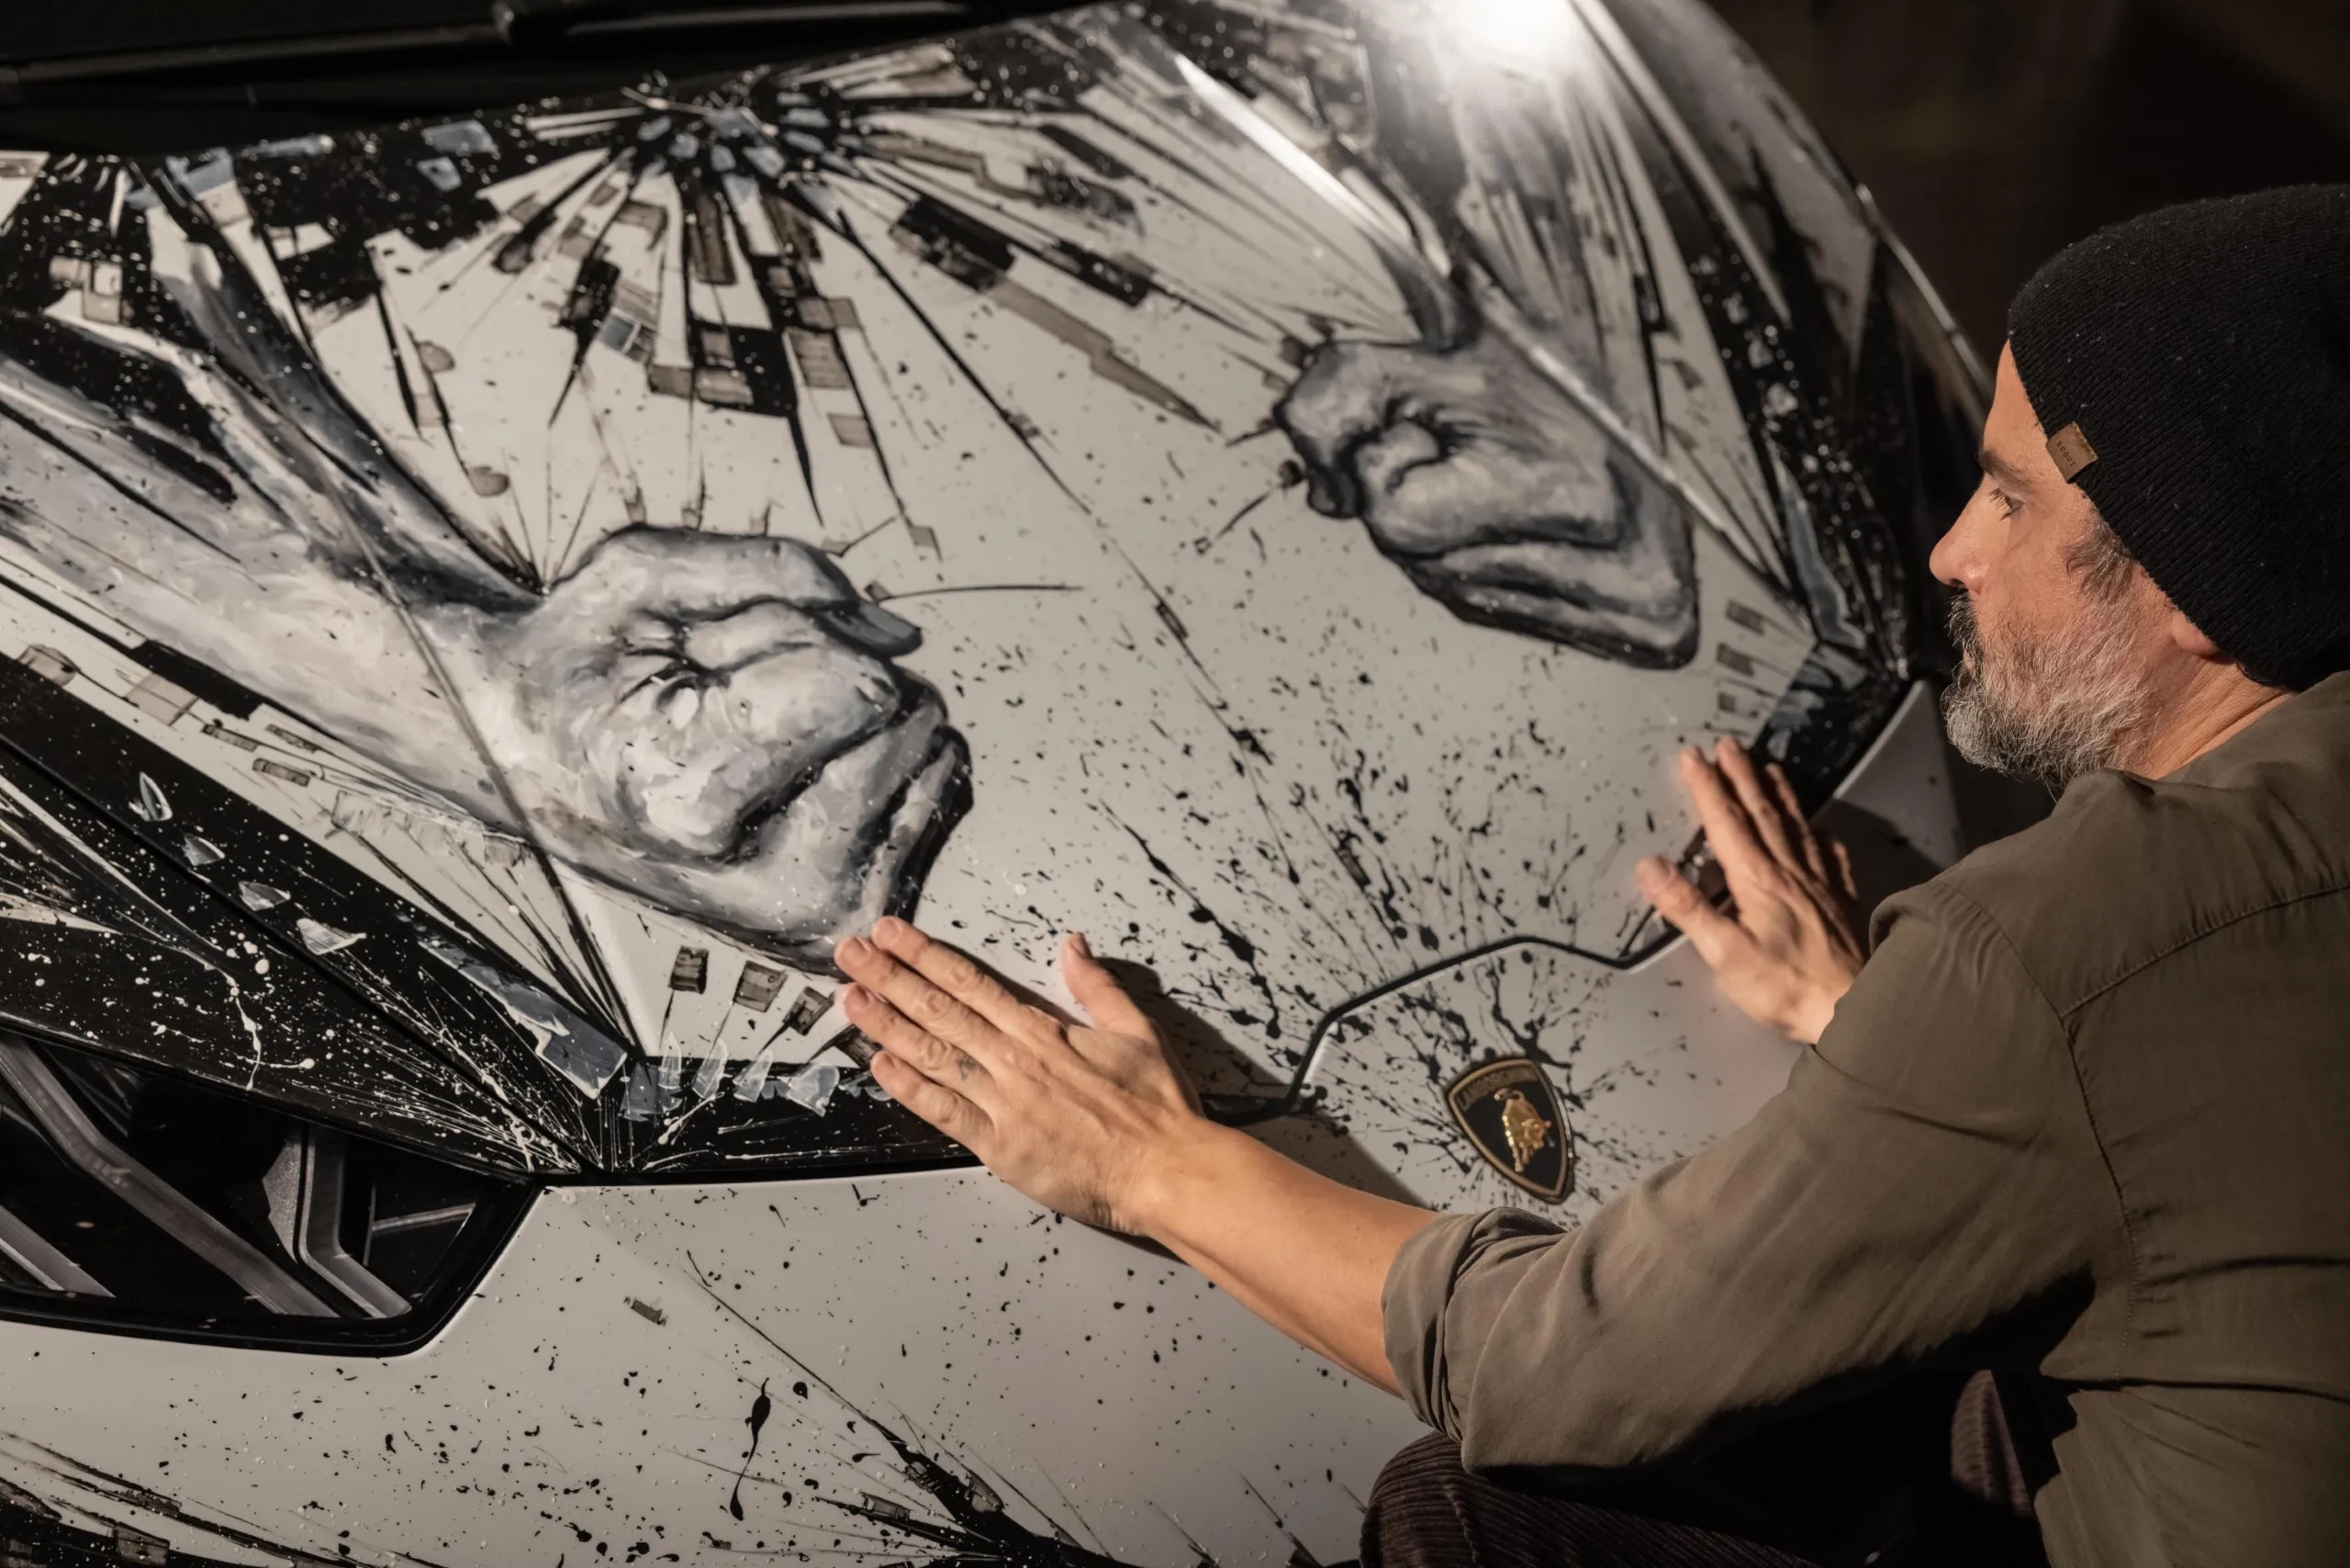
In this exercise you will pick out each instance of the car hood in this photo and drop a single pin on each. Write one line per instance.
(490, 600)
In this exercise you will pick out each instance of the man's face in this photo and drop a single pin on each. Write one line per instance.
(2055, 652)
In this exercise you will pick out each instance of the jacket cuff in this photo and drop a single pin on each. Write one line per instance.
(1419, 1283)
(1419, 1292)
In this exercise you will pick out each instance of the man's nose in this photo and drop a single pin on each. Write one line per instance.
(1943, 562)
(1958, 557)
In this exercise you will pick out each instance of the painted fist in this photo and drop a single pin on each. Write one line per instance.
(1498, 495)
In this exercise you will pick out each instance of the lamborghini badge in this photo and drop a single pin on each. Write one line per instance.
(1512, 1116)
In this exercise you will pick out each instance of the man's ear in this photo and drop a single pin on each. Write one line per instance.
(2189, 639)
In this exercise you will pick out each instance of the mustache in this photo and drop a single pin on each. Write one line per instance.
(1966, 635)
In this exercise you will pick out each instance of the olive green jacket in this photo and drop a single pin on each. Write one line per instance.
(2085, 1114)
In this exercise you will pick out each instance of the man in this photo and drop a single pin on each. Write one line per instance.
(2083, 1116)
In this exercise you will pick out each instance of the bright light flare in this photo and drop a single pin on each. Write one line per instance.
(1510, 33)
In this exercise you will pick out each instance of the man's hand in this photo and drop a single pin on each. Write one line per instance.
(1497, 495)
(1070, 1115)
(1099, 1123)
(1792, 947)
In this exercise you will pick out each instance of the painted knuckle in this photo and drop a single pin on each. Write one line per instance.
(1334, 367)
(1336, 397)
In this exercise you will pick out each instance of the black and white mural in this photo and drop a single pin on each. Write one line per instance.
(485, 603)
(1270, 486)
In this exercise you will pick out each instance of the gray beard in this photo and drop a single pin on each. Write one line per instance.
(2049, 710)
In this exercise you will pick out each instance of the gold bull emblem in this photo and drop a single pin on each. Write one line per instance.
(1511, 1116)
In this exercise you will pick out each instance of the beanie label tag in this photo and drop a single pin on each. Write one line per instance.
(2070, 450)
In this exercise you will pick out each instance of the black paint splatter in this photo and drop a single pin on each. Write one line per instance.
(757, 1419)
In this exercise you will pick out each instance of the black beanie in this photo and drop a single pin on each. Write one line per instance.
(2192, 370)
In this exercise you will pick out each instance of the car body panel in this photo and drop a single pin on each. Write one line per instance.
(602, 1381)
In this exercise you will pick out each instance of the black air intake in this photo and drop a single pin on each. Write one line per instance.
(131, 1200)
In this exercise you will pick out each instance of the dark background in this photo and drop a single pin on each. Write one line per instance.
(1993, 132)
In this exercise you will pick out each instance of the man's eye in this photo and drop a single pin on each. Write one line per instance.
(2007, 503)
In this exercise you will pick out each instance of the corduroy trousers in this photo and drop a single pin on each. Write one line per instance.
(1926, 1475)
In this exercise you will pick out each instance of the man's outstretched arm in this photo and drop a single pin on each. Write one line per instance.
(1097, 1122)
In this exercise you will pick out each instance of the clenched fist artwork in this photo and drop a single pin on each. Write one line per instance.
(1498, 495)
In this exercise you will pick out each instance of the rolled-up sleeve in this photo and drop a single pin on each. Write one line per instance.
(1929, 1167)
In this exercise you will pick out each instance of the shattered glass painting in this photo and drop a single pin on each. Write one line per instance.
(1262, 486)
